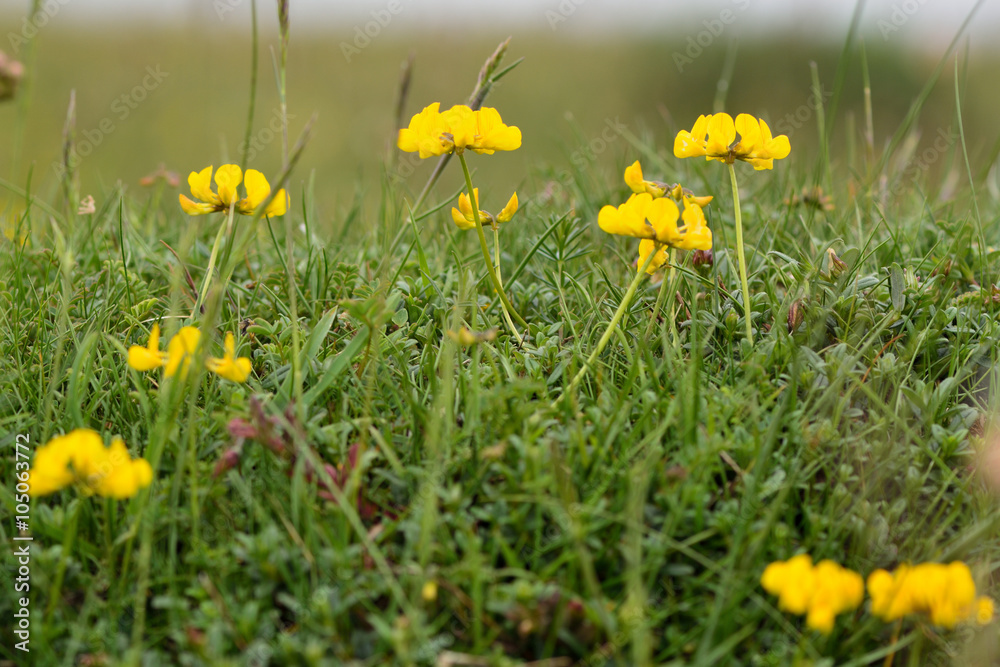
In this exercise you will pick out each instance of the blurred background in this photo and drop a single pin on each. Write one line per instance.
(169, 82)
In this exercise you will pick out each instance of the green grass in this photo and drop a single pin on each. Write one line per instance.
(625, 525)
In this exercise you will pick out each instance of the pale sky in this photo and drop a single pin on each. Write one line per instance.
(913, 22)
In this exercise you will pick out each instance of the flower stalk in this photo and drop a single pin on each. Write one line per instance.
(740, 256)
(505, 304)
(613, 325)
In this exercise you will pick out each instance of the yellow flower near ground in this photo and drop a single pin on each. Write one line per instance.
(464, 217)
(80, 457)
(181, 351)
(714, 137)
(655, 221)
(230, 367)
(946, 594)
(149, 357)
(227, 178)
(819, 592)
(432, 132)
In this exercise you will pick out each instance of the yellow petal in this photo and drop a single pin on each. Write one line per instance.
(647, 246)
(141, 359)
(492, 134)
(662, 213)
(721, 134)
(750, 135)
(460, 122)
(509, 210)
(195, 208)
(201, 185)
(181, 350)
(278, 206)
(227, 178)
(465, 204)
(460, 220)
(633, 177)
(258, 190)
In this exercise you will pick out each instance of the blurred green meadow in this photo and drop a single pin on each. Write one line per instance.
(146, 96)
(379, 489)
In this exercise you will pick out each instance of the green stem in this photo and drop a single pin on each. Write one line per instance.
(740, 255)
(504, 301)
(496, 267)
(601, 344)
(662, 296)
(200, 298)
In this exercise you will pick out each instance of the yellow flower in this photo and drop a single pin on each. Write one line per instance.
(655, 221)
(227, 178)
(434, 133)
(492, 135)
(508, 211)
(714, 137)
(81, 457)
(230, 367)
(463, 216)
(945, 594)
(429, 592)
(149, 357)
(819, 593)
(180, 351)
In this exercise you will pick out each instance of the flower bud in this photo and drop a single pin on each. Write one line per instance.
(837, 265)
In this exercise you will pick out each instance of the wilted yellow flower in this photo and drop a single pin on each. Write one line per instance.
(227, 179)
(655, 221)
(230, 367)
(945, 594)
(714, 137)
(80, 457)
(463, 216)
(432, 132)
(819, 593)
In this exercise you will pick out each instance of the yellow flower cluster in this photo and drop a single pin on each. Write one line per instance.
(80, 457)
(651, 215)
(819, 592)
(227, 179)
(432, 132)
(714, 137)
(946, 594)
(464, 216)
(181, 350)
